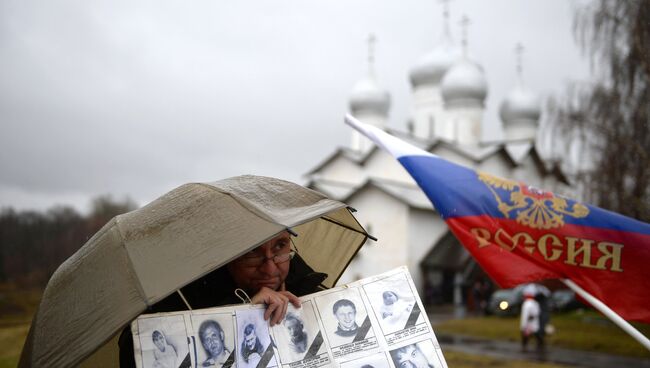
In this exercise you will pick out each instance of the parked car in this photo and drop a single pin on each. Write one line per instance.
(506, 302)
(564, 300)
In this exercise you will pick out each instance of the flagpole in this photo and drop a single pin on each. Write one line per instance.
(618, 320)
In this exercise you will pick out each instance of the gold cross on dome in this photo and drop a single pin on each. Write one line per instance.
(464, 26)
(372, 40)
(519, 53)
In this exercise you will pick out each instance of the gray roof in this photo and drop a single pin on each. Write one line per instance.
(409, 194)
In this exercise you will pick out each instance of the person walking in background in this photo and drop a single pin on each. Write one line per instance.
(543, 297)
(529, 323)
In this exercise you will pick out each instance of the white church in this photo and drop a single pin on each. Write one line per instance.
(447, 119)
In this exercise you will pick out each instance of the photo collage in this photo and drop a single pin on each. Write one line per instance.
(371, 323)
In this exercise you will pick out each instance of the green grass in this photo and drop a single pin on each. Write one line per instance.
(462, 360)
(11, 340)
(576, 330)
(17, 306)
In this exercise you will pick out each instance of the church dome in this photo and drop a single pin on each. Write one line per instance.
(368, 96)
(464, 84)
(432, 67)
(520, 104)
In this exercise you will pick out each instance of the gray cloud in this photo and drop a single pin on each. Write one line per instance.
(134, 99)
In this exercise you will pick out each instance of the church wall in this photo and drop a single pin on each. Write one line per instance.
(360, 142)
(425, 228)
(521, 129)
(428, 112)
(386, 218)
(497, 165)
(529, 173)
(466, 124)
(568, 191)
(549, 182)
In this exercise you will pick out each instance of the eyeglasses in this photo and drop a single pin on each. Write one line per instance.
(256, 261)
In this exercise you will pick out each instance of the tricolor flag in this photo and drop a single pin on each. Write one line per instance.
(520, 234)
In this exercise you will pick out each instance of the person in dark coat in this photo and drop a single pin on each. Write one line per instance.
(272, 273)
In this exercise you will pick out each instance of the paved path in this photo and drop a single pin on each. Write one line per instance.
(512, 350)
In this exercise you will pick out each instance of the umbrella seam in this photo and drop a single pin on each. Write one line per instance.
(131, 265)
(250, 207)
(244, 203)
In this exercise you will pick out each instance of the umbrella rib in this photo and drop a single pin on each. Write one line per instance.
(348, 227)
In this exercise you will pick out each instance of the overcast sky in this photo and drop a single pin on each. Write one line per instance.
(136, 98)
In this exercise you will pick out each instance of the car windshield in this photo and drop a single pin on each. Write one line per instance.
(502, 294)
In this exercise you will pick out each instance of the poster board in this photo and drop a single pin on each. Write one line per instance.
(377, 322)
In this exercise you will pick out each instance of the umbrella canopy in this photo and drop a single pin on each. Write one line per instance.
(141, 257)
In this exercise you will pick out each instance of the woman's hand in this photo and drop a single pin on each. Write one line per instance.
(276, 303)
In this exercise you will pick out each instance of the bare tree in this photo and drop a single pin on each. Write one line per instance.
(611, 117)
(33, 244)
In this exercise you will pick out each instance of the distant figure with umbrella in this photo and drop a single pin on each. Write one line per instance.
(530, 315)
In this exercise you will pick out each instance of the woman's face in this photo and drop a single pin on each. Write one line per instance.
(159, 341)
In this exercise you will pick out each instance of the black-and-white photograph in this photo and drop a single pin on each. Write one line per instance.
(418, 355)
(253, 340)
(345, 317)
(394, 303)
(163, 342)
(298, 337)
(214, 339)
(378, 360)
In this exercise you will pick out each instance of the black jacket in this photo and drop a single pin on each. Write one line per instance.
(216, 289)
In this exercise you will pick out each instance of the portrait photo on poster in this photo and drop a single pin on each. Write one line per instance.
(254, 347)
(163, 342)
(377, 360)
(298, 336)
(394, 303)
(214, 336)
(417, 355)
(344, 317)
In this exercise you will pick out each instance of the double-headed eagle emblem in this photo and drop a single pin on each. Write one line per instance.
(533, 208)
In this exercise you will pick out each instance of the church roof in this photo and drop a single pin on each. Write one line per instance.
(474, 153)
(331, 188)
(347, 153)
(464, 84)
(368, 96)
(359, 157)
(406, 193)
(515, 154)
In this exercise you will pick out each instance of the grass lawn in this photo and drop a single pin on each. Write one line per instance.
(461, 360)
(17, 306)
(577, 330)
(11, 340)
(582, 330)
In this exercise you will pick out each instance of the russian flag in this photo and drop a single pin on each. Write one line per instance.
(521, 234)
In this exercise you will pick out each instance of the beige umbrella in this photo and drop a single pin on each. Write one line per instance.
(141, 257)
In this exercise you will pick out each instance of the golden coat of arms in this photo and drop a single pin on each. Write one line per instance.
(533, 208)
